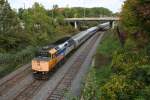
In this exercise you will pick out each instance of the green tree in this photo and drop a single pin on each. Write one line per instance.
(9, 22)
(89, 12)
(135, 15)
(10, 30)
(20, 13)
(38, 23)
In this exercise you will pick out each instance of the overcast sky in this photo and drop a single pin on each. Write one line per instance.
(113, 5)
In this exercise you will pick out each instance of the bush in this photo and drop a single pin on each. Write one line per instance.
(135, 66)
(90, 91)
(125, 61)
(141, 74)
(9, 62)
(18, 57)
(117, 88)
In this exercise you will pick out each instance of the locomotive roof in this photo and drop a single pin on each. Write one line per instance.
(52, 51)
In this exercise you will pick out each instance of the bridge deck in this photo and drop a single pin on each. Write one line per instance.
(93, 19)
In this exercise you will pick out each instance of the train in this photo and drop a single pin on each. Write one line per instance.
(53, 55)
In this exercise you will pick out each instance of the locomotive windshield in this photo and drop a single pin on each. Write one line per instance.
(44, 54)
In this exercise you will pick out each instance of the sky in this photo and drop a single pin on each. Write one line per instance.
(113, 5)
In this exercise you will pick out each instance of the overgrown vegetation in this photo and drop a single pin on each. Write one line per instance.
(128, 74)
(101, 71)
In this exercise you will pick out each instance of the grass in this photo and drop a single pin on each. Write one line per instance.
(109, 44)
(103, 57)
(101, 71)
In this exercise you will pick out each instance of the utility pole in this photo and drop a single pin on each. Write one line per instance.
(24, 5)
(52, 13)
(84, 9)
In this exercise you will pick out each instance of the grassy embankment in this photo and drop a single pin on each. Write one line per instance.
(101, 71)
(120, 73)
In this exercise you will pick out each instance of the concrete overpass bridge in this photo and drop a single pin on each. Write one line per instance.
(104, 19)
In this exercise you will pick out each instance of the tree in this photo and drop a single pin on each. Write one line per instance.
(2, 2)
(135, 15)
(9, 22)
(143, 13)
(10, 35)
(20, 13)
(37, 23)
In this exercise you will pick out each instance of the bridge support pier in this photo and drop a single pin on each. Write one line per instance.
(112, 24)
(75, 25)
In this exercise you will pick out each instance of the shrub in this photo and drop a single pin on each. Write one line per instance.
(109, 44)
(90, 91)
(141, 74)
(117, 88)
(9, 62)
(125, 61)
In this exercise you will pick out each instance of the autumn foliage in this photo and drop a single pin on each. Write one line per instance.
(135, 15)
(131, 64)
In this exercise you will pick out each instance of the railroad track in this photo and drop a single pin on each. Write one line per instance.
(9, 83)
(65, 83)
(23, 90)
(30, 90)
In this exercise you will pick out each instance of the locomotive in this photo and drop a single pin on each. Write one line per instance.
(52, 55)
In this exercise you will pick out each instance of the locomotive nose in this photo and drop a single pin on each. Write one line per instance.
(40, 65)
